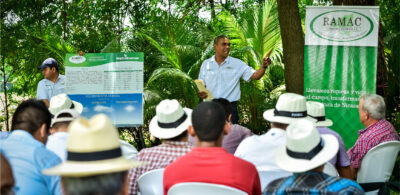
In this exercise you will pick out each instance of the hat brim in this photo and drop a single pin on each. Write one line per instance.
(167, 133)
(77, 106)
(325, 123)
(81, 169)
(270, 116)
(295, 165)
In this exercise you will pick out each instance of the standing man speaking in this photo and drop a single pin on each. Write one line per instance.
(53, 82)
(221, 74)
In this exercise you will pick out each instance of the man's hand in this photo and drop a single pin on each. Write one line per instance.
(267, 61)
(202, 94)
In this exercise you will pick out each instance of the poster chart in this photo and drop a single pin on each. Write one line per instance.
(340, 60)
(108, 83)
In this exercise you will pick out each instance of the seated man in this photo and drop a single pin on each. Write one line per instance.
(260, 149)
(26, 152)
(170, 124)
(341, 161)
(94, 164)
(59, 132)
(371, 109)
(208, 162)
(236, 134)
(305, 154)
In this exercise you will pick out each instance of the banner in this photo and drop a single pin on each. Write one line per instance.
(108, 83)
(340, 60)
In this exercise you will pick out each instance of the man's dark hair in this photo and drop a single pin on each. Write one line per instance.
(226, 105)
(57, 68)
(30, 115)
(104, 184)
(219, 37)
(208, 120)
(59, 124)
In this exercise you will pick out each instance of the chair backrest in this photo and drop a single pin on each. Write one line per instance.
(377, 165)
(267, 176)
(330, 170)
(198, 188)
(151, 182)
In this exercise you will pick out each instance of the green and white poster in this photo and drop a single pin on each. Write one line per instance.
(108, 83)
(340, 60)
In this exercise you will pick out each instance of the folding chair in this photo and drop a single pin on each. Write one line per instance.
(151, 182)
(198, 188)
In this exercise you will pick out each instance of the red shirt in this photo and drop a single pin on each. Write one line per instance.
(213, 165)
(381, 131)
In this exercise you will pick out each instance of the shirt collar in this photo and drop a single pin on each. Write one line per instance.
(370, 127)
(177, 143)
(227, 60)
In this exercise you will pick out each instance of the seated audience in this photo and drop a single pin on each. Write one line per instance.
(94, 164)
(59, 132)
(341, 161)
(6, 177)
(371, 109)
(170, 124)
(208, 162)
(260, 149)
(305, 154)
(25, 150)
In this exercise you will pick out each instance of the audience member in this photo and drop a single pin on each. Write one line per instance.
(170, 124)
(305, 154)
(341, 161)
(59, 132)
(260, 149)
(53, 82)
(371, 109)
(62, 102)
(6, 177)
(208, 162)
(26, 151)
(94, 164)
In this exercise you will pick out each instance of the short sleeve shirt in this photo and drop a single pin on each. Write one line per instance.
(341, 159)
(223, 81)
(47, 89)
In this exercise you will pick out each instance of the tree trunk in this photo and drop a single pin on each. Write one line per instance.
(293, 45)
(64, 20)
(3, 67)
(212, 6)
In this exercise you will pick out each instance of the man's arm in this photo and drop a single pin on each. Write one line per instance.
(345, 172)
(261, 71)
(353, 172)
(46, 102)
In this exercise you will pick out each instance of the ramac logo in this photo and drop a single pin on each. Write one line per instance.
(341, 25)
(77, 59)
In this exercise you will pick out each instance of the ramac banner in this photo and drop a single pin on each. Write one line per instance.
(340, 60)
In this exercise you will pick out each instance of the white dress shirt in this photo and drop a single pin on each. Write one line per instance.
(260, 149)
(223, 81)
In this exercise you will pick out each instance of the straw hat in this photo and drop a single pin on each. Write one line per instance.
(60, 118)
(289, 108)
(93, 148)
(171, 119)
(305, 148)
(316, 110)
(61, 102)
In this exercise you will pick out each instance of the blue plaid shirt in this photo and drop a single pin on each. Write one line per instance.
(312, 183)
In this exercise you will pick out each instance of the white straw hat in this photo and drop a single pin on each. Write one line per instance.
(289, 108)
(61, 102)
(60, 118)
(93, 148)
(305, 148)
(316, 110)
(171, 120)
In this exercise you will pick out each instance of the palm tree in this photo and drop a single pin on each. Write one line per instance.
(253, 34)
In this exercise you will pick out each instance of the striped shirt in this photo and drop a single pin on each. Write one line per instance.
(157, 157)
(381, 131)
(312, 183)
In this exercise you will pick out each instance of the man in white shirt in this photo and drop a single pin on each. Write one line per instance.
(53, 82)
(221, 74)
(260, 149)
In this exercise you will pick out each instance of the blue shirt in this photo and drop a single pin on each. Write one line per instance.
(47, 89)
(28, 157)
(312, 182)
(223, 81)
